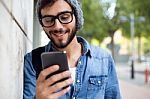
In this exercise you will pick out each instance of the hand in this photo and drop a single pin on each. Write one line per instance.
(48, 88)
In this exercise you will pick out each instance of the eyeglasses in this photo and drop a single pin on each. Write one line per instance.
(63, 17)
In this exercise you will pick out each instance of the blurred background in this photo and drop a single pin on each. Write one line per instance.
(119, 26)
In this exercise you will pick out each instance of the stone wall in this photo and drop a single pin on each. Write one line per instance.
(16, 30)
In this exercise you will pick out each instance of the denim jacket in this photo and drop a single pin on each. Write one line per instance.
(96, 76)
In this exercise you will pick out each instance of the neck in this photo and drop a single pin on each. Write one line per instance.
(74, 51)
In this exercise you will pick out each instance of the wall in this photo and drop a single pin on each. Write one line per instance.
(16, 30)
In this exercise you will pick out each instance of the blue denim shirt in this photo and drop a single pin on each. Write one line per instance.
(95, 75)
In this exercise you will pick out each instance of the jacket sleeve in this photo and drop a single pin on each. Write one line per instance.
(29, 78)
(112, 87)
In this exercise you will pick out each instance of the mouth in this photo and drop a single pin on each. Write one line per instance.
(59, 34)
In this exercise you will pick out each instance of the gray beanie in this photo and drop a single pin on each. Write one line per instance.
(75, 4)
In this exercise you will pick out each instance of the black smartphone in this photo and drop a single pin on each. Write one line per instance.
(55, 58)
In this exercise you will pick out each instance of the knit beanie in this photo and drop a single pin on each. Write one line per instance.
(75, 4)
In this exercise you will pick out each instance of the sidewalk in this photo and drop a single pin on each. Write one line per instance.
(124, 73)
(133, 88)
(132, 91)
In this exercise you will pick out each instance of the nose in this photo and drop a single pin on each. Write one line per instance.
(58, 24)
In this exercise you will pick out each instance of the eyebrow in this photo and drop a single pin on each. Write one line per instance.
(57, 13)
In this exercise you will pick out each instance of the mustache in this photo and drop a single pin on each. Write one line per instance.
(59, 31)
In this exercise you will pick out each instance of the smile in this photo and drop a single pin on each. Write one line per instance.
(59, 34)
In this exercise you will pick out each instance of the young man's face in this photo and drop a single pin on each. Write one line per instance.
(60, 29)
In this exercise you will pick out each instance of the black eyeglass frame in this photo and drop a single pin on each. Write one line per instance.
(57, 17)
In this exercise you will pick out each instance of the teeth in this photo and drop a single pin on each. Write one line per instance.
(59, 34)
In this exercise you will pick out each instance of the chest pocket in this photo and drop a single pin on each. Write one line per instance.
(97, 82)
(96, 87)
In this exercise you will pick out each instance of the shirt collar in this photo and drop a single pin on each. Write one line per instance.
(85, 45)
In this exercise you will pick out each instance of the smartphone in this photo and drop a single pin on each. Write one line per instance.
(55, 58)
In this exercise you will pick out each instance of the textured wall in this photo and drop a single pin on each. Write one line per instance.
(16, 30)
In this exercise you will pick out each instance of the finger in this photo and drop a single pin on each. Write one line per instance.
(60, 85)
(59, 94)
(44, 73)
(49, 91)
(57, 77)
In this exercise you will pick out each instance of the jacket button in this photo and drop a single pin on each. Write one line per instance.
(99, 82)
(74, 98)
(80, 62)
(78, 81)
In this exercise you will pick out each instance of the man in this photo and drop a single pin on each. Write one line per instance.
(94, 70)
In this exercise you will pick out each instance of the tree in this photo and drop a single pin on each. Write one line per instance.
(93, 20)
(138, 8)
(97, 25)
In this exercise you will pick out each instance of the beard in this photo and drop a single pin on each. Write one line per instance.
(60, 44)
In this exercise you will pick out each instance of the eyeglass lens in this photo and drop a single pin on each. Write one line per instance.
(63, 17)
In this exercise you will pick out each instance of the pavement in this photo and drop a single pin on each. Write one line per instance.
(135, 88)
(132, 91)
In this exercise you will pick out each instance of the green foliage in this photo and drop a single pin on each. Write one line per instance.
(94, 20)
(138, 8)
(98, 26)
